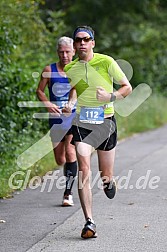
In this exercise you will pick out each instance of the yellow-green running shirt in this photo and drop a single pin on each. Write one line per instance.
(86, 77)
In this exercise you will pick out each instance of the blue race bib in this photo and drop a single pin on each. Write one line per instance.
(93, 115)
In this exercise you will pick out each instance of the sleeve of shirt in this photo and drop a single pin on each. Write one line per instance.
(67, 71)
(115, 71)
(66, 68)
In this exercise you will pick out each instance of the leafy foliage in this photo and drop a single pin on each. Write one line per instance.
(25, 47)
(131, 30)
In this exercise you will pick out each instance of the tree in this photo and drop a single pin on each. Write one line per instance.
(25, 46)
(132, 30)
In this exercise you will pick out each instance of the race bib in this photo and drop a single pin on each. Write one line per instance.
(93, 115)
(61, 104)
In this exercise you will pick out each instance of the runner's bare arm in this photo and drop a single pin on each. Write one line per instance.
(44, 81)
(123, 91)
(71, 102)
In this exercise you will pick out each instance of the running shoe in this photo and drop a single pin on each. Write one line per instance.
(89, 230)
(67, 200)
(110, 189)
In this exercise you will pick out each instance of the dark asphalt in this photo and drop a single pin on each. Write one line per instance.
(134, 221)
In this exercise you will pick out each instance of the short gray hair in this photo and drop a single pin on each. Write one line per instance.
(64, 41)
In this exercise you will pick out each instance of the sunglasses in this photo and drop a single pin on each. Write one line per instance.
(85, 39)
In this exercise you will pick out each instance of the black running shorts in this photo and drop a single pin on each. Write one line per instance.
(100, 136)
(58, 135)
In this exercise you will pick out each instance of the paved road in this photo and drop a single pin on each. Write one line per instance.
(136, 220)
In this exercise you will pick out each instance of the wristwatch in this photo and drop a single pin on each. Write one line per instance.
(113, 97)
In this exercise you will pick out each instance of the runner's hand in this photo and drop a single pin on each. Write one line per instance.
(67, 110)
(102, 95)
(52, 108)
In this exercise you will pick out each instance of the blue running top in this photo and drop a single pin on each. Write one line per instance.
(59, 89)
